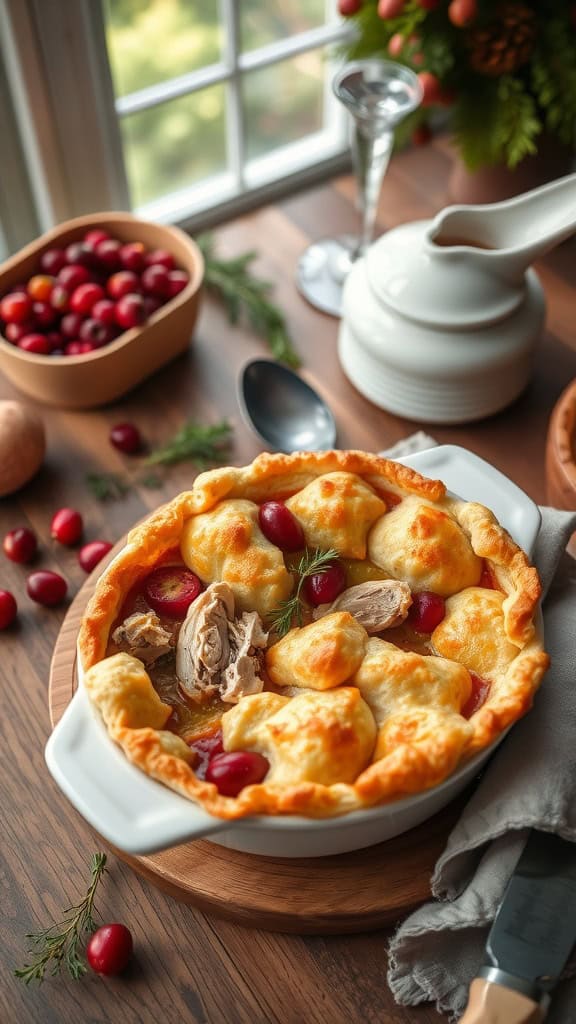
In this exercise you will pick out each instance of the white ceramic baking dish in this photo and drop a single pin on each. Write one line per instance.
(138, 815)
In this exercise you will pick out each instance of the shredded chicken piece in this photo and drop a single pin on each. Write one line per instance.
(376, 605)
(216, 652)
(143, 636)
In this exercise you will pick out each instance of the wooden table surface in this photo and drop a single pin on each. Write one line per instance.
(188, 966)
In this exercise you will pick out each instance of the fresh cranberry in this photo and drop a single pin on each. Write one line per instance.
(20, 545)
(14, 332)
(126, 438)
(155, 280)
(76, 348)
(478, 694)
(130, 311)
(132, 256)
(85, 296)
(280, 527)
(92, 553)
(43, 313)
(73, 276)
(40, 287)
(94, 237)
(34, 343)
(206, 747)
(70, 325)
(123, 283)
(66, 526)
(16, 307)
(426, 611)
(108, 253)
(55, 340)
(161, 256)
(60, 298)
(152, 303)
(79, 253)
(52, 261)
(324, 587)
(46, 587)
(109, 949)
(104, 312)
(486, 578)
(97, 333)
(177, 281)
(171, 589)
(8, 609)
(231, 772)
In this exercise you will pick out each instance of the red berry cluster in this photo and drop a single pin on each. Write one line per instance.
(87, 294)
(45, 587)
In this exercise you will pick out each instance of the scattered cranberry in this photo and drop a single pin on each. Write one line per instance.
(156, 280)
(171, 589)
(20, 545)
(15, 308)
(71, 277)
(8, 609)
(66, 526)
(161, 256)
(46, 587)
(52, 261)
(92, 553)
(324, 587)
(280, 527)
(35, 343)
(130, 311)
(478, 694)
(126, 438)
(231, 772)
(123, 283)
(426, 611)
(109, 949)
(85, 296)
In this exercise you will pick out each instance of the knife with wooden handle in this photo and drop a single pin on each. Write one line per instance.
(531, 938)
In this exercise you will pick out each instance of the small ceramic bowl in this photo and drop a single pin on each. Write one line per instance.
(561, 451)
(92, 379)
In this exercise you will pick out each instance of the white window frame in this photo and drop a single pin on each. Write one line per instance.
(58, 71)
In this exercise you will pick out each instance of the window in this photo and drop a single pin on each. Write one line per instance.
(182, 110)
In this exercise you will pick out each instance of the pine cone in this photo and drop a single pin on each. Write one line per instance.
(503, 45)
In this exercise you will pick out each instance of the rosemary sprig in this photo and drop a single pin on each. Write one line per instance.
(106, 486)
(312, 562)
(244, 294)
(59, 944)
(194, 442)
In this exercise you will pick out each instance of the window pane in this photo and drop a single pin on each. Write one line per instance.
(151, 41)
(175, 144)
(297, 86)
(265, 21)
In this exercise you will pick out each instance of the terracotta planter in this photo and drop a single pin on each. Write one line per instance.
(493, 184)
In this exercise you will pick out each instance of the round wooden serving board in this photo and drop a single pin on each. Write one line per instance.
(351, 892)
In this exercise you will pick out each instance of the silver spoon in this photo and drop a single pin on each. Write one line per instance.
(285, 412)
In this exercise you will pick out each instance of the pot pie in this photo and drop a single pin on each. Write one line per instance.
(311, 634)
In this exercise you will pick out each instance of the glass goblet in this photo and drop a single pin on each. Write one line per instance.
(378, 94)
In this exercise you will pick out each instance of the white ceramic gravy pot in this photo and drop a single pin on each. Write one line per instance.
(441, 318)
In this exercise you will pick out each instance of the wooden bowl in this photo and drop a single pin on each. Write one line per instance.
(92, 379)
(560, 451)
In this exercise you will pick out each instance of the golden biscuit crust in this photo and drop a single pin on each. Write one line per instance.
(372, 723)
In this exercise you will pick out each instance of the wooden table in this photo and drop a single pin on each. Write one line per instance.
(191, 967)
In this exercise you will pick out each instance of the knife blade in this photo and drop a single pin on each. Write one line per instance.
(531, 938)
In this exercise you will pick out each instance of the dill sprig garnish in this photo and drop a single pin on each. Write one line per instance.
(312, 562)
(243, 294)
(194, 442)
(59, 944)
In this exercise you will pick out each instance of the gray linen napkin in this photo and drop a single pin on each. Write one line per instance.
(530, 782)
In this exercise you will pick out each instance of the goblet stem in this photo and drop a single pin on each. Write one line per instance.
(371, 151)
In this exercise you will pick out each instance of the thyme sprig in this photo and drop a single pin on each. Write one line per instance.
(243, 294)
(195, 442)
(311, 563)
(59, 944)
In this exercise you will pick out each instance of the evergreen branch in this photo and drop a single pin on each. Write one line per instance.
(243, 294)
(194, 442)
(59, 944)
(311, 563)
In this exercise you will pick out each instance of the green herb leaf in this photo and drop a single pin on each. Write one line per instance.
(194, 442)
(107, 486)
(58, 945)
(243, 294)
(312, 562)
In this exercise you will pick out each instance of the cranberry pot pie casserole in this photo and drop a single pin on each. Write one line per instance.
(312, 634)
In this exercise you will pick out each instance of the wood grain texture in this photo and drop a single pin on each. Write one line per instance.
(191, 966)
(354, 892)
